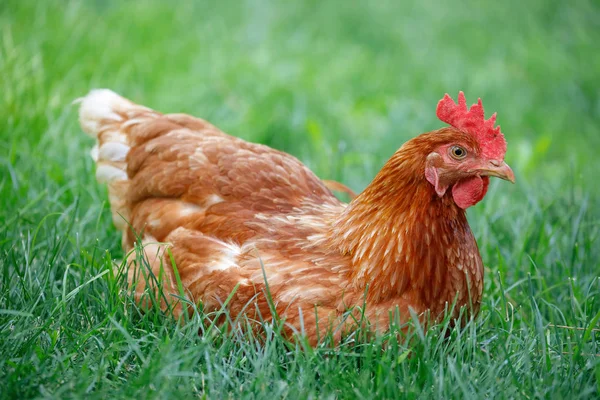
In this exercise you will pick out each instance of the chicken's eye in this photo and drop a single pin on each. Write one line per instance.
(457, 152)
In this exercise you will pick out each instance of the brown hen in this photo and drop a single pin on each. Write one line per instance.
(232, 212)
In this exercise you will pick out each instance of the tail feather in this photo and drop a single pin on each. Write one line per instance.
(108, 117)
(99, 108)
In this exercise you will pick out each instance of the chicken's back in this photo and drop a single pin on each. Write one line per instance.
(169, 171)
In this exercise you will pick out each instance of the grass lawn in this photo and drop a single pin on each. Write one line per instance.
(340, 85)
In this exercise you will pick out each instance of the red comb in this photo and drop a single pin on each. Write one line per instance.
(472, 121)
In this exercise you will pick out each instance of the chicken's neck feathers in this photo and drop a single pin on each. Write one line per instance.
(402, 237)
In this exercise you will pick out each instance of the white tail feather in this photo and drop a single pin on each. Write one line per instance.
(106, 116)
(98, 106)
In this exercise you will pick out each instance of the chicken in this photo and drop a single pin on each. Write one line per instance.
(218, 216)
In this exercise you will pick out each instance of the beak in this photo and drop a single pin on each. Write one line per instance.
(498, 169)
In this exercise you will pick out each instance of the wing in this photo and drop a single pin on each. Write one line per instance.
(170, 171)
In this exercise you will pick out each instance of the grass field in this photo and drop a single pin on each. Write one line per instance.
(340, 85)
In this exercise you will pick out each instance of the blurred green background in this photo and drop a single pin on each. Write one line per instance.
(341, 85)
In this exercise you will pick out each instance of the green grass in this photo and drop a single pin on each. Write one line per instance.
(341, 86)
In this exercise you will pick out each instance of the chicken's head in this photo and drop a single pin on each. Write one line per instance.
(474, 151)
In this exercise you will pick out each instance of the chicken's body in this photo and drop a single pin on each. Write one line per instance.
(233, 213)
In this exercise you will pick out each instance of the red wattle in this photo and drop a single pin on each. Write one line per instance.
(470, 191)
